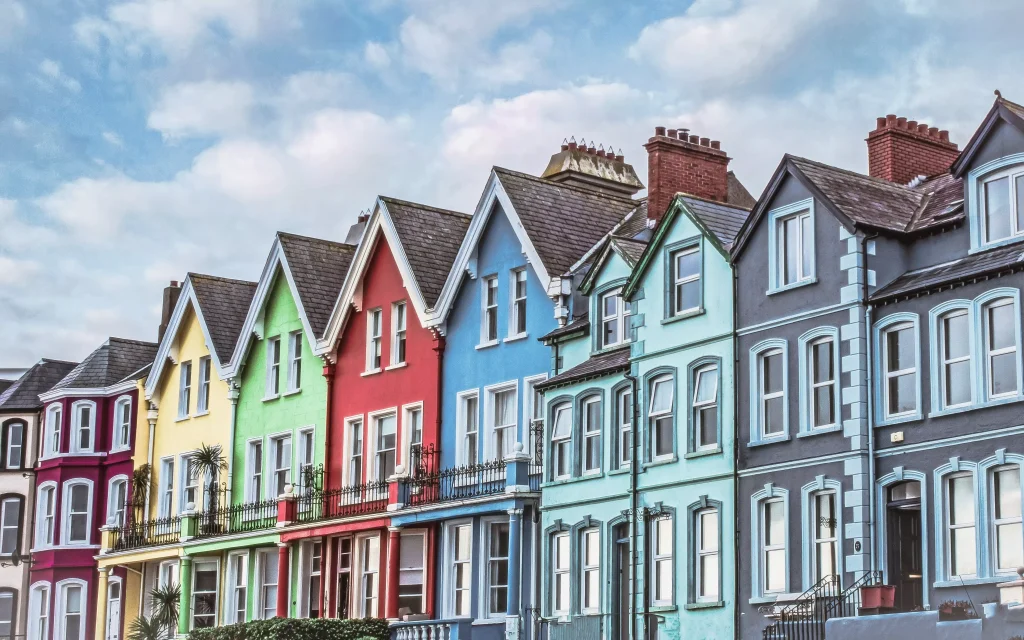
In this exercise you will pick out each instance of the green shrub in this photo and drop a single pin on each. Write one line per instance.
(297, 629)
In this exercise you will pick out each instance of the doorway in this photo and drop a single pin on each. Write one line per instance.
(113, 610)
(903, 544)
(620, 582)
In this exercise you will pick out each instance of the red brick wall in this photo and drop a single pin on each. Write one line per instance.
(678, 162)
(900, 150)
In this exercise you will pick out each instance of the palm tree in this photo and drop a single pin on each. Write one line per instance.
(208, 461)
(141, 480)
(162, 625)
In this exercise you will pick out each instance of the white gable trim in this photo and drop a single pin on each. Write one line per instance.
(254, 318)
(380, 222)
(186, 298)
(493, 192)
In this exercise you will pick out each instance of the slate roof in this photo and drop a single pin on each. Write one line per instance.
(630, 249)
(736, 194)
(943, 204)
(634, 226)
(562, 221)
(581, 323)
(723, 220)
(116, 360)
(984, 263)
(23, 395)
(224, 303)
(597, 366)
(431, 239)
(5, 385)
(318, 268)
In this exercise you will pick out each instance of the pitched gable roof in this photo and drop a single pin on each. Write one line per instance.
(598, 366)
(223, 303)
(116, 360)
(318, 268)
(23, 395)
(1002, 110)
(1009, 259)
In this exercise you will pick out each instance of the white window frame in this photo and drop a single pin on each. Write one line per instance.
(236, 560)
(306, 573)
(294, 383)
(888, 375)
(816, 541)
(764, 396)
(945, 361)
(184, 389)
(697, 406)
(702, 550)
(516, 303)
(764, 548)
(422, 569)
(274, 441)
(653, 417)
(468, 451)
(362, 572)
(305, 452)
(255, 474)
(995, 522)
(620, 319)
(38, 623)
(16, 529)
(533, 417)
(663, 558)
(376, 420)
(490, 428)
(485, 579)
(561, 571)
(589, 536)
(205, 374)
(65, 516)
(487, 310)
(61, 602)
(115, 511)
(46, 536)
(165, 483)
(76, 426)
(399, 332)
(216, 591)
(264, 604)
(624, 427)
(121, 431)
(558, 443)
(272, 389)
(354, 425)
(589, 435)
(168, 573)
(452, 564)
(408, 441)
(949, 527)
(678, 281)
(1011, 174)
(8, 453)
(374, 346)
(111, 582)
(183, 485)
(777, 251)
(51, 438)
(990, 353)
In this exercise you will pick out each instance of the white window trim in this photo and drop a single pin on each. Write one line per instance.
(370, 338)
(757, 575)
(586, 435)
(76, 426)
(585, 568)
(59, 589)
(484, 531)
(775, 217)
(370, 429)
(205, 380)
(38, 534)
(421, 533)
(405, 457)
(447, 576)
(697, 406)
(555, 571)
(115, 444)
(251, 468)
(757, 352)
(528, 419)
(899, 325)
(216, 592)
(943, 362)
(111, 507)
(299, 448)
(676, 280)
(52, 427)
(485, 341)
(111, 580)
(653, 417)
(624, 456)
(965, 470)
(40, 608)
(165, 496)
(184, 389)
(393, 356)
(992, 523)
(229, 611)
(346, 463)
(489, 435)
(358, 575)
(264, 557)
(295, 344)
(462, 433)
(269, 476)
(620, 318)
(988, 354)
(272, 384)
(182, 473)
(556, 408)
(977, 181)
(65, 516)
(513, 315)
(699, 553)
(671, 557)
(19, 526)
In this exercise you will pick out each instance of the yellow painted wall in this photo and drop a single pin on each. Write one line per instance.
(174, 436)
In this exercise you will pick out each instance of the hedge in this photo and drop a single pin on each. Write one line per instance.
(297, 629)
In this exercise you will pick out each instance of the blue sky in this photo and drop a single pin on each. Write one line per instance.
(142, 139)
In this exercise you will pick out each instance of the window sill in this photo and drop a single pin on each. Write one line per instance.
(763, 600)
(400, 365)
(700, 453)
(948, 584)
(371, 372)
(293, 392)
(820, 431)
(571, 480)
(201, 414)
(913, 417)
(182, 418)
(767, 441)
(696, 606)
(117, 450)
(270, 398)
(978, 405)
(518, 336)
(624, 469)
(686, 315)
(485, 345)
(609, 348)
(661, 461)
(479, 622)
(788, 287)
(663, 608)
(995, 245)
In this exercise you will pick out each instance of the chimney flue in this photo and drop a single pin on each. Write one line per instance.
(900, 150)
(170, 300)
(685, 163)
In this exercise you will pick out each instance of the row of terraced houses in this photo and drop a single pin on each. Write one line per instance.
(575, 413)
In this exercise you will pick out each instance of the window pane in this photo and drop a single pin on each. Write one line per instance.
(772, 372)
(775, 570)
(707, 385)
(997, 209)
(774, 524)
(790, 250)
(708, 426)
(1004, 373)
(773, 416)
(563, 426)
(611, 304)
(822, 357)
(593, 551)
(958, 383)
(661, 396)
(961, 500)
(663, 436)
(687, 264)
(688, 295)
(1010, 546)
(663, 580)
(1001, 326)
(963, 552)
(824, 405)
(902, 393)
(1007, 489)
(562, 552)
(709, 576)
(664, 535)
(1020, 202)
(826, 513)
(709, 531)
(807, 245)
(900, 349)
(955, 339)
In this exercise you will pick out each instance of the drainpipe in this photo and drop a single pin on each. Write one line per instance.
(869, 381)
(634, 462)
(151, 416)
(328, 374)
(736, 442)
(233, 398)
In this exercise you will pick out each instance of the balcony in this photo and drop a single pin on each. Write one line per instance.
(429, 484)
(315, 504)
(454, 629)
(139, 534)
(222, 519)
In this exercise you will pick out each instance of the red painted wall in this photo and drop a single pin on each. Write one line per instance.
(358, 395)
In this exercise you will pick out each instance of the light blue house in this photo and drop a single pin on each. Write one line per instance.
(505, 291)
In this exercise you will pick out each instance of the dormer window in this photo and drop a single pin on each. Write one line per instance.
(614, 319)
(791, 251)
(1002, 205)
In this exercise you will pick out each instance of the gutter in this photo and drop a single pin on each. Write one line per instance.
(634, 505)
(736, 441)
(233, 398)
(869, 382)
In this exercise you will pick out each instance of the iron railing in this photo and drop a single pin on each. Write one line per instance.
(137, 534)
(315, 504)
(805, 618)
(458, 483)
(222, 519)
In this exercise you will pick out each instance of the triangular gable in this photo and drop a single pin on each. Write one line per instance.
(465, 260)
(1002, 110)
(276, 261)
(186, 298)
(610, 246)
(379, 224)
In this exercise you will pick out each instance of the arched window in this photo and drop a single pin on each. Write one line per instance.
(117, 500)
(77, 512)
(954, 331)
(1001, 335)
(83, 426)
(46, 505)
(769, 389)
(591, 434)
(122, 428)
(72, 599)
(1005, 534)
(39, 611)
(561, 436)
(12, 445)
(51, 437)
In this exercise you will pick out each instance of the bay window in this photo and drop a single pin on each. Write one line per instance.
(71, 611)
(45, 515)
(53, 426)
(355, 456)
(369, 568)
(398, 331)
(294, 361)
(469, 429)
(83, 426)
(314, 579)
(122, 424)
(117, 500)
(503, 422)
(237, 588)
(411, 572)
(77, 509)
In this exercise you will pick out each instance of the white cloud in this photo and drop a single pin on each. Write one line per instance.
(14, 271)
(12, 20)
(202, 108)
(377, 55)
(51, 70)
(113, 139)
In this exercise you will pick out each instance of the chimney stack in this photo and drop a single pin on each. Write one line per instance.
(900, 150)
(680, 161)
(597, 168)
(171, 293)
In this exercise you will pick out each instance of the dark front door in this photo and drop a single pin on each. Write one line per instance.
(904, 551)
(620, 586)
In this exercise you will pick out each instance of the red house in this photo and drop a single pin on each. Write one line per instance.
(384, 371)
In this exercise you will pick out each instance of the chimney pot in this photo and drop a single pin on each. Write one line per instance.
(900, 158)
(879, 122)
(944, 135)
(715, 144)
(659, 131)
(671, 133)
(698, 167)
(695, 139)
(704, 142)
(565, 145)
(933, 132)
(684, 134)
(572, 145)
(901, 123)
(619, 157)
(912, 125)
(592, 150)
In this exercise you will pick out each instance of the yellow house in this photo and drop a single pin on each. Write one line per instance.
(190, 404)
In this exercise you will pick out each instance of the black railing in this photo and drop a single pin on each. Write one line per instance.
(221, 519)
(805, 618)
(315, 504)
(146, 533)
(458, 483)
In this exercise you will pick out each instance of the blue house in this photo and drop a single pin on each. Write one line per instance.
(505, 290)
(639, 476)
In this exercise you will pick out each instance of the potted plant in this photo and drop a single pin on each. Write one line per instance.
(956, 610)
(878, 596)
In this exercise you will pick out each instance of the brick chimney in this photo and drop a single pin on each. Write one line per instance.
(171, 293)
(678, 161)
(900, 150)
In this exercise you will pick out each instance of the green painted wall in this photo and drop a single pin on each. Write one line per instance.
(262, 417)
